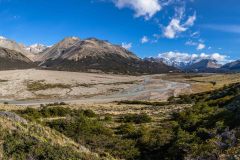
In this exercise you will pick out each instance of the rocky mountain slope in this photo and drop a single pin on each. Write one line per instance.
(93, 55)
(10, 59)
(205, 65)
(232, 66)
(28, 51)
(58, 49)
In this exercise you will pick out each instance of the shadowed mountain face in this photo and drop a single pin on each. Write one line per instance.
(232, 66)
(205, 65)
(10, 59)
(93, 55)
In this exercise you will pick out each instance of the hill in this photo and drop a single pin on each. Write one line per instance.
(29, 51)
(23, 139)
(10, 59)
(199, 126)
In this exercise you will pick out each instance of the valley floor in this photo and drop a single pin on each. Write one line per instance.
(35, 87)
(31, 87)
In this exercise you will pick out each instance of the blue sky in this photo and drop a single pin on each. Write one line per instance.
(185, 28)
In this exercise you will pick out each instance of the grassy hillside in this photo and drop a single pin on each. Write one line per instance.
(199, 126)
(22, 139)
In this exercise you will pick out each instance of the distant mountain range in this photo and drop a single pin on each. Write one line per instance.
(204, 65)
(232, 66)
(89, 55)
(200, 65)
(94, 55)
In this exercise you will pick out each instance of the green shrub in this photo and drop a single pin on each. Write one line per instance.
(136, 118)
(56, 111)
(18, 146)
(108, 118)
(89, 113)
(95, 135)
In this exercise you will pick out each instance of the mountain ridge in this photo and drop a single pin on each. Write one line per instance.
(29, 51)
(204, 65)
(94, 55)
(232, 66)
(10, 59)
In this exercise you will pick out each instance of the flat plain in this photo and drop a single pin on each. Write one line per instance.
(42, 86)
(30, 87)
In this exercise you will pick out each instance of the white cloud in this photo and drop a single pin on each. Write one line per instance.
(195, 35)
(186, 57)
(145, 8)
(218, 57)
(127, 45)
(173, 29)
(191, 20)
(179, 23)
(144, 39)
(191, 43)
(201, 46)
(176, 26)
(2, 38)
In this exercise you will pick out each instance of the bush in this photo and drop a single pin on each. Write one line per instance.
(89, 113)
(128, 131)
(19, 146)
(57, 111)
(108, 118)
(136, 118)
(96, 136)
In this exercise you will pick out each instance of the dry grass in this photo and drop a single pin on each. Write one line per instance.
(7, 107)
(204, 82)
(41, 85)
(158, 113)
(46, 134)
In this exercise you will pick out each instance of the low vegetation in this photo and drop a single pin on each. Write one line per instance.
(144, 103)
(3, 80)
(135, 118)
(21, 141)
(20, 146)
(210, 129)
(41, 85)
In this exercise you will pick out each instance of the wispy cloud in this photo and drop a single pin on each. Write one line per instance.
(223, 28)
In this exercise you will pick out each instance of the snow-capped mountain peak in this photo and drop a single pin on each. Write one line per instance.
(28, 51)
(36, 48)
(75, 38)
